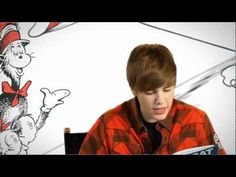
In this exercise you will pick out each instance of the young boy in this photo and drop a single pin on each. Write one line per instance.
(152, 122)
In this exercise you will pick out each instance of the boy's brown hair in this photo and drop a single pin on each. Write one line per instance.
(150, 66)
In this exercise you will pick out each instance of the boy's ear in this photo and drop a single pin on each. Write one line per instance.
(134, 93)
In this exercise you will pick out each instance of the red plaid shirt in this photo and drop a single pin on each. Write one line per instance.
(121, 131)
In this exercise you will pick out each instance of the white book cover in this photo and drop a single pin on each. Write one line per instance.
(201, 150)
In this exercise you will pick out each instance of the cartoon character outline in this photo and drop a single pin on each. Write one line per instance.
(17, 127)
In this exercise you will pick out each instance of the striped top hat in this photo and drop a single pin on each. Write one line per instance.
(8, 35)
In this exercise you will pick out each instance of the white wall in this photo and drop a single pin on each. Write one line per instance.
(89, 59)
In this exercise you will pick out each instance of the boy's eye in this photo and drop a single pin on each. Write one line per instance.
(149, 92)
(166, 89)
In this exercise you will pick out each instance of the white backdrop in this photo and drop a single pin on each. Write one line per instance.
(89, 59)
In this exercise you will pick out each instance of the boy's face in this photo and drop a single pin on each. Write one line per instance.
(155, 104)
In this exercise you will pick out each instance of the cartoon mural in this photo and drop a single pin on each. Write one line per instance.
(38, 29)
(18, 128)
(89, 59)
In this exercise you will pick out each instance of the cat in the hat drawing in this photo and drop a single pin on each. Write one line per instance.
(17, 127)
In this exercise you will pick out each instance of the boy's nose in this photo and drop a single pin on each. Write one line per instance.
(159, 98)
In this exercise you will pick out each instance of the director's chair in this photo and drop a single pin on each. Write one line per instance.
(73, 141)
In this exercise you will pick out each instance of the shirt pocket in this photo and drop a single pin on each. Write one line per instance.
(186, 143)
(126, 148)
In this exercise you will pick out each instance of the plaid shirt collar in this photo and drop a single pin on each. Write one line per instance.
(135, 116)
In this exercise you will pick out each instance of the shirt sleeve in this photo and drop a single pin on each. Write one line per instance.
(95, 141)
(207, 135)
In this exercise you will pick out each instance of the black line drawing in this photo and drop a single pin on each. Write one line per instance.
(228, 75)
(41, 28)
(17, 127)
(14, 136)
(226, 72)
(189, 37)
(185, 89)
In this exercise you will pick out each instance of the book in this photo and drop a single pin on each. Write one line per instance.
(201, 150)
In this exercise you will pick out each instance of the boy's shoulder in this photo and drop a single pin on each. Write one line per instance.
(118, 116)
(187, 113)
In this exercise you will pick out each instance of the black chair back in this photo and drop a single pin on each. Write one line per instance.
(73, 141)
